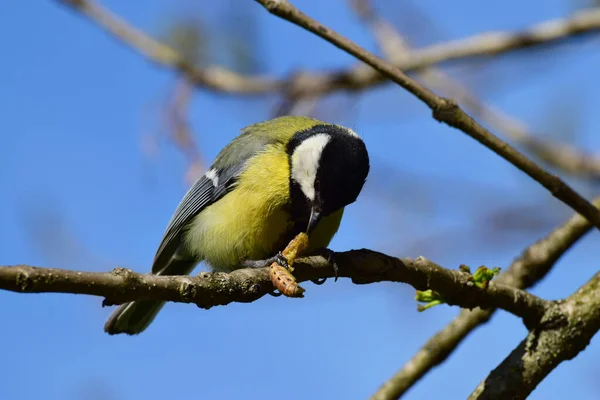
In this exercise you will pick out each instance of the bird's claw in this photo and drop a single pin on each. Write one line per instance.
(330, 256)
(279, 258)
(282, 260)
(335, 270)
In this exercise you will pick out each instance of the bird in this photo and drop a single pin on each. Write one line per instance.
(277, 178)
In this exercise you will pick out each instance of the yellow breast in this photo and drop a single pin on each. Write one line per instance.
(250, 222)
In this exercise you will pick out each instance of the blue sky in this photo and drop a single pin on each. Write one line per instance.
(79, 192)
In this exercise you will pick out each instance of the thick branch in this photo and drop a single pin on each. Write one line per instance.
(444, 110)
(246, 285)
(543, 350)
(359, 77)
(531, 267)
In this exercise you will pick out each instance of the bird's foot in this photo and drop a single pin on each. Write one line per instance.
(279, 258)
(330, 256)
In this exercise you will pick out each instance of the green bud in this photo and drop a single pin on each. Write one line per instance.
(430, 297)
(484, 275)
(421, 308)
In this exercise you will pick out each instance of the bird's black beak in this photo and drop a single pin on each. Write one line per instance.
(315, 217)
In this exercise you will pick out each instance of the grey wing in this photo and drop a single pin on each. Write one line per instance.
(220, 179)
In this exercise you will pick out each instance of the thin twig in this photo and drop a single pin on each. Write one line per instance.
(444, 110)
(247, 285)
(531, 267)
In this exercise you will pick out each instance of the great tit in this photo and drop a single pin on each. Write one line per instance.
(276, 179)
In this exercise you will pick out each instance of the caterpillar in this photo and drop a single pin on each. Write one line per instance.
(282, 277)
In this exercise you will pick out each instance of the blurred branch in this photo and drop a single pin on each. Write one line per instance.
(531, 267)
(214, 78)
(180, 131)
(396, 49)
(444, 110)
(543, 350)
(246, 285)
(358, 77)
(293, 98)
(563, 156)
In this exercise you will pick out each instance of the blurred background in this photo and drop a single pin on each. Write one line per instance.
(98, 145)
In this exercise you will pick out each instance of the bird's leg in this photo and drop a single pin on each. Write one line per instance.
(330, 256)
(280, 271)
(279, 258)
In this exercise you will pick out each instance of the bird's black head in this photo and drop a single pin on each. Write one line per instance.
(329, 166)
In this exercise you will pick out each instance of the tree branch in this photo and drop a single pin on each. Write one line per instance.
(543, 350)
(531, 267)
(444, 110)
(560, 155)
(246, 285)
(213, 78)
(359, 77)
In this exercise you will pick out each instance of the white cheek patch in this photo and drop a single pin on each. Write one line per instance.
(305, 162)
(212, 175)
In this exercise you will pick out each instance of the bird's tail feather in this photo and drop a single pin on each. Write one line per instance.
(134, 317)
